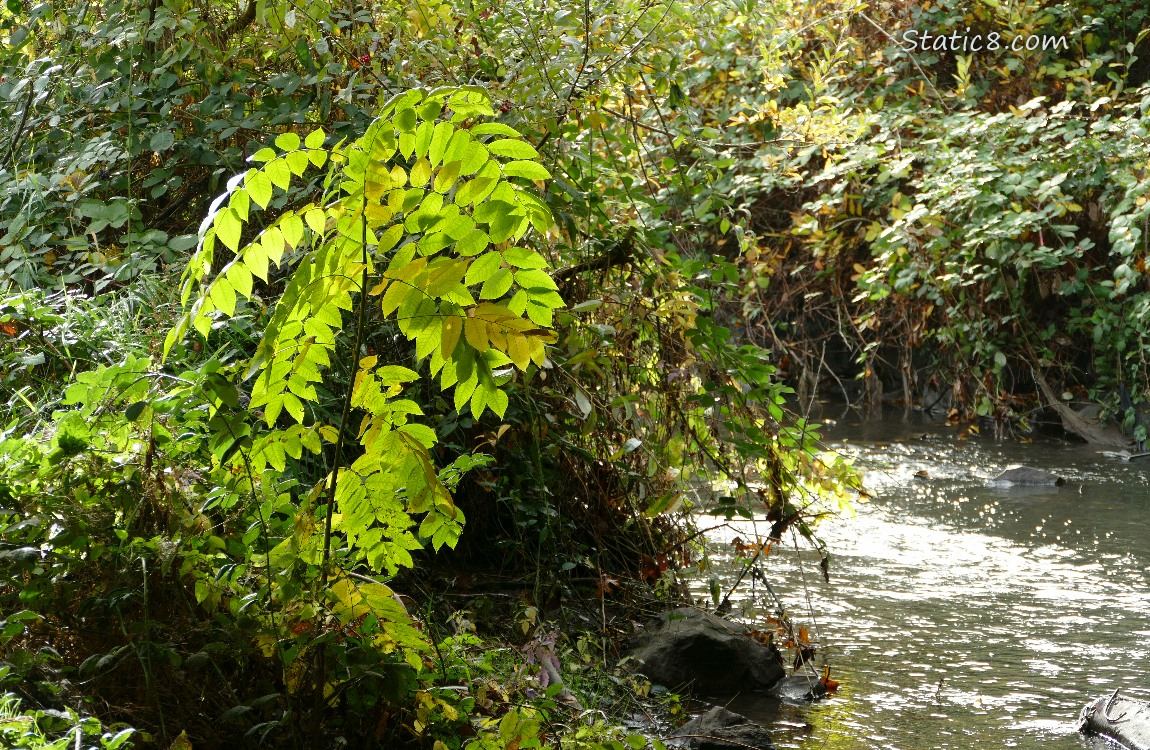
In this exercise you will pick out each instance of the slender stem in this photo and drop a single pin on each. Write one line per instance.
(341, 431)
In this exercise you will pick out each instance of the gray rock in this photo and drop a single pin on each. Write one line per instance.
(1122, 720)
(689, 649)
(1028, 476)
(720, 729)
(799, 687)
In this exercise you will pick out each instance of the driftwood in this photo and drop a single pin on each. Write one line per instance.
(1085, 426)
(1122, 720)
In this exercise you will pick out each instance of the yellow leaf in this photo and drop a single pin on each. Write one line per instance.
(408, 271)
(267, 643)
(497, 338)
(295, 675)
(394, 297)
(377, 214)
(538, 355)
(518, 350)
(420, 173)
(476, 333)
(452, 327)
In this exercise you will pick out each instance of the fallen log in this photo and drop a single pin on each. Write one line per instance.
(1122, 720)
(1084, 424)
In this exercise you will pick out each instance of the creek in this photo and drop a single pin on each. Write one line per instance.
(961, 614)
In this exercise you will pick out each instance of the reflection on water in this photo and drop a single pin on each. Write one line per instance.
(962, 614)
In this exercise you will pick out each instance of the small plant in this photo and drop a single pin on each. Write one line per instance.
(417, 222)
(54, 730)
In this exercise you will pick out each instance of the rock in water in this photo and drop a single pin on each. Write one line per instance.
(1029, 476)
(1125, 721)
(800, 687)
(687, 648)
(720, 729)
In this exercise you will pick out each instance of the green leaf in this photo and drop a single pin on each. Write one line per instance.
(518, 303)
(496, 286)
(480, 398)
(389, 238)
(162, 141)
(316, 220)
(315, 138)
(407, 144)
(540, 314)
(470, 191)
(294, 407)
(423, 138)
(292, 227)
(420, 432)
(405, 120)
(522, 257)
(395, 374)
(483, 268)
(474, 156)
(464, 390)
(439, 140)
(529, 169)
(457, 146)
(298, 162)
(458, 227)
(534, 279)
(259, 187)
(550, 299)
(497, 402)
(134, 410)
(240, 278)
(506, 225)
(229, 228)
(513, 149)
(224, 296)
(431, 109)
(393, 298)
(279, 172)
(446, 177)
(446, 278)
(287, 141)
(474, 243)
(492, 211)
(494, 128)
(240, 203)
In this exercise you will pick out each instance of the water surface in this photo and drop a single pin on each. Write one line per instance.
(962, 614)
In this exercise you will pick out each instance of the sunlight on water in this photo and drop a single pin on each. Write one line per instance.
(962, 613)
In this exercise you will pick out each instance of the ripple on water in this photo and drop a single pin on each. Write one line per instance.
(961, 615)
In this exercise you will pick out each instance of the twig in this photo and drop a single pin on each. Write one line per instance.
(19, 132)
(925, 77)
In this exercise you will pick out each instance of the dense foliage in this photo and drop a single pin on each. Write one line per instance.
(292, 298)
